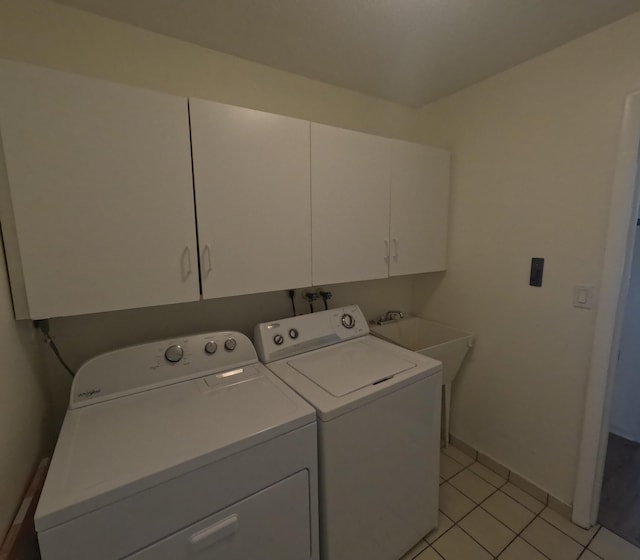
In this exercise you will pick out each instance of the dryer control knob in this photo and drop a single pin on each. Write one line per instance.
(293, 333)
(348, 322)
(278, 339)
(211, 347)
(174, 353)
(230, 344)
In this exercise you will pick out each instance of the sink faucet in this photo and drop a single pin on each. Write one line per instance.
(390, 316)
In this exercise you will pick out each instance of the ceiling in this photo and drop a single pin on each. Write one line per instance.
(408, 51)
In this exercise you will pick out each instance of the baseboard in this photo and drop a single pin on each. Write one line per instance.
(516, 479)
(21, 541)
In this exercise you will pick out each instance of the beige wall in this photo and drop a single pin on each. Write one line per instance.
(48, 34)
(24, 405)
(80, 338)
(534, 152)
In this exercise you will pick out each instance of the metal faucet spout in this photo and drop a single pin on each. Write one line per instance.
(390, 316)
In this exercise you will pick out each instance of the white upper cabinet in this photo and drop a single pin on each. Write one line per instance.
(252, 190)
(419, 208)
(379, 206)
(350, 175)
(96, 187)
(98, 183)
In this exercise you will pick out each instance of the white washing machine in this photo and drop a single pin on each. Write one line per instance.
(378, 409)
(182, 449)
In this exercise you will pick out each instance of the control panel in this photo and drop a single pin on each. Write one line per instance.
(162, 362)
(291, 336)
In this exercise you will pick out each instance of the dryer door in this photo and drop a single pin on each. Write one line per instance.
(274, 523)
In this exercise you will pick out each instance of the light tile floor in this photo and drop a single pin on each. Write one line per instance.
(485, 517)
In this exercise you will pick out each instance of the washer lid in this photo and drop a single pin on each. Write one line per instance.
(116, 448)
(363, 370)
(350, 367)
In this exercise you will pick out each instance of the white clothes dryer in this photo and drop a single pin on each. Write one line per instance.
(378, 410)
(182, 449)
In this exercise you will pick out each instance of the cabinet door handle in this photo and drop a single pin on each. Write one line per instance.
(186, 262)
(386, 250)
(206, 258)
(211, 535)
(395, 249)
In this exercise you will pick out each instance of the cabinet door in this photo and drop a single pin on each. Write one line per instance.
(251, 172)
(419, 208)
(350, 174)
(96, 194)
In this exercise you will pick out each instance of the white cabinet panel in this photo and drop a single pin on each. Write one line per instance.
(419, 208)
(350, 175)
(251, 173)
(97, 204)
(97, 199)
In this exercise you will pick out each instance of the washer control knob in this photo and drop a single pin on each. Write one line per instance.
(230, 344)
(174, 353)
(348, 322)
(278, 339)
(293, 333)
(211, 347)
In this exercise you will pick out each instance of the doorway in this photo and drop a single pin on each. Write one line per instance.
(608, 327)
(619, 509)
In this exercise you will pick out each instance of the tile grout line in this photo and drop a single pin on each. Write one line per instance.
(497, 489)
(532, 545)
(454, 524)
(568, 535)
(537, 514)
(519, 534)
(476, 506)
(510, 475)
(585, 547)
(591, 540)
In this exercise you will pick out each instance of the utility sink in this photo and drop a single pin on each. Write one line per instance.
(441, 342)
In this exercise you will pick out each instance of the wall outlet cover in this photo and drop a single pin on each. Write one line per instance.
(583, 296)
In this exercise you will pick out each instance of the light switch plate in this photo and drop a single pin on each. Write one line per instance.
(583, 296)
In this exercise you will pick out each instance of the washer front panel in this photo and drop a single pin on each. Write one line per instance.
(379, 466)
